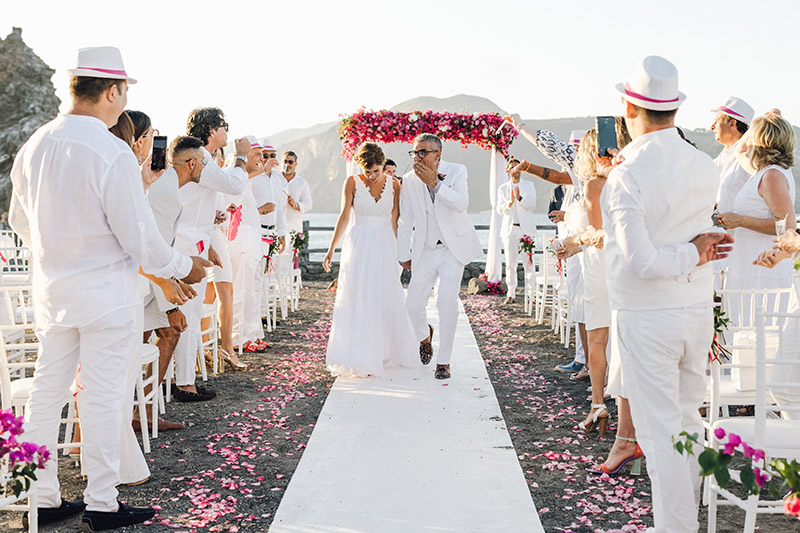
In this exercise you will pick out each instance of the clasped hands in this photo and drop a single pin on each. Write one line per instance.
(785, 246)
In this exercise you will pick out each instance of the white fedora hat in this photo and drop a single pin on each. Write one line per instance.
(101, 62)
(576, 136)
(653, 85)
(253, 141)
(266, 144)
(738, 109)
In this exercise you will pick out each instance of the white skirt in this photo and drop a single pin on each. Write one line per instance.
(596, 308)
(370, 329)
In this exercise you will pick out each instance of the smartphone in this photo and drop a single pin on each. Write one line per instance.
(159, 161)
(606, 135)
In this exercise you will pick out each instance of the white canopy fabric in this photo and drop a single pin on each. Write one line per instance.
(494, 259)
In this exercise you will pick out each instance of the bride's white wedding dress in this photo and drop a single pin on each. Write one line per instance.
(370, 330)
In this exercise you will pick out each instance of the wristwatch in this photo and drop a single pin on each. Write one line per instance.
(243, 158)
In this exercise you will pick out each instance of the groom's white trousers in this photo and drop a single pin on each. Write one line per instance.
(103, 349)
(438, 263)
(186, 349)
(664, 354)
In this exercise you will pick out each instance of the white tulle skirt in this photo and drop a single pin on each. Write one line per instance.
(370, 330)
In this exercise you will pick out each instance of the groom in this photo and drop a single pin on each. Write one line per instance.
(436, 238)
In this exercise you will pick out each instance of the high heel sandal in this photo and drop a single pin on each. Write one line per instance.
(599, 420)
(636, 467)
(237, 367)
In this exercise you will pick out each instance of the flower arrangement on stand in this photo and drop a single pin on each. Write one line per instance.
(21, 458)
(298, 241)
(717, 352)
(482, 129)
(527, 245)
(552, 248)
(753, 477)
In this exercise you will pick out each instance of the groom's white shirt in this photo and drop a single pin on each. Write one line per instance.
(449, 213)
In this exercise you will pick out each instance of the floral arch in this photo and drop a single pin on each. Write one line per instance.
(486, 130)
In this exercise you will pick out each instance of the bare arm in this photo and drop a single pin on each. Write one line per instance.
(775, 191)
(549, 175)
(594, 188)
(396, 187)
(348, 193)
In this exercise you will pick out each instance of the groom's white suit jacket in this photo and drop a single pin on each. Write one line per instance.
(450, 209)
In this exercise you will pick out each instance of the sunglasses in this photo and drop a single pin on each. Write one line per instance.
(267, 155)
(204, 161)
(224, 125)
(288, 162)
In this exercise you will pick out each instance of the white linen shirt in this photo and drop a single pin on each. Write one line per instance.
(271, 189)
(299, 190)
(78, 203)
(200, 204)
(733, 178)
(657, 200)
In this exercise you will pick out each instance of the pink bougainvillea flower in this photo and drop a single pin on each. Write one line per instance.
(734, 439)
(791, 505)
(719, 433)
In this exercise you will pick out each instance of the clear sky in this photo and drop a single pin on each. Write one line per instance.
(274, 65)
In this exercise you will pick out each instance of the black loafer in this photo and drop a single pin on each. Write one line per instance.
(48, 515)
(205, 391)
(126, 515)
(186, 396)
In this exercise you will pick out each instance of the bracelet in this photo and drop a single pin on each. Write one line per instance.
(173, 310)
(527, 167)
(242, 158)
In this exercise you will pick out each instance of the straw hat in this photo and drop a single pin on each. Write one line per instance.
(738, 109)
(101, 62)
(653, 85)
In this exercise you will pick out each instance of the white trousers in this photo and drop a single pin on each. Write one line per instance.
(186, 349)
(441, 264)
(248, 281)
(664, 354)
(511, 247)
(103, 348)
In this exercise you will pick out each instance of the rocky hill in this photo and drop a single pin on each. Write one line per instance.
(320, 162)
(27, 101)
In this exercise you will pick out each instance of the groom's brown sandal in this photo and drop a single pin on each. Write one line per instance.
(442, 372)
(426, 349)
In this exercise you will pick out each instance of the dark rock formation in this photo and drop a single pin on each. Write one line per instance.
(27, 101)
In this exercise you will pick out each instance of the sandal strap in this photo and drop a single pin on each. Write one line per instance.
(599, 406)
(626, 439)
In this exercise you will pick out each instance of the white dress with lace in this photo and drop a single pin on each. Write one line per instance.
(370, 330)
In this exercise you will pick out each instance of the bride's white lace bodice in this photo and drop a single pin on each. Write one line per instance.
(365, 205)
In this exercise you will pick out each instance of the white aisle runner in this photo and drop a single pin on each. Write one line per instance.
(407, 452)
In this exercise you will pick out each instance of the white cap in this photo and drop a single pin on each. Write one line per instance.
(266, 144)
(653, 85)
(101, 62)
(576, 136)
(738, 109)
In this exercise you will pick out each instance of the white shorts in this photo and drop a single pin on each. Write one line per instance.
(154, 318)
(219, 242)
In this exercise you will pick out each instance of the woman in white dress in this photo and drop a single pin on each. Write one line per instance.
(766, 151)
(370, 330)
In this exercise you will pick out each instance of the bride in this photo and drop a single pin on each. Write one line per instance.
(370, 329)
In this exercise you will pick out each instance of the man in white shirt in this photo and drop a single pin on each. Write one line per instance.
(194, 234)
(298, 199)
(516, 201)
(269, 190)
(78, 203)
(163, 196)
(657, 206)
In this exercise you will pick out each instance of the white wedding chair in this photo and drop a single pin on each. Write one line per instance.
(9, 502)
(296, 285)
(546, 281)
(15, 263)
(529, 283)
(149, 355)
(270, 301)
(768, 430)
(208, 340)
(563, 315)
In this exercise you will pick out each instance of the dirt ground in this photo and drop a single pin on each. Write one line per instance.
(228, 469)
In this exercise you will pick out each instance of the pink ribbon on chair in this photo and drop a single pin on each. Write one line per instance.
(236, 221)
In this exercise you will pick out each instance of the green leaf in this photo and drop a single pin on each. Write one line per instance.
(748, 479)
(722, 475)
(679, 447)
(708, 461)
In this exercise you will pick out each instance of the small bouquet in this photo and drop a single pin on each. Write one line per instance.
(717, 352)
(526, 246)
(270, 247)
(299, 240)
(23, 458)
